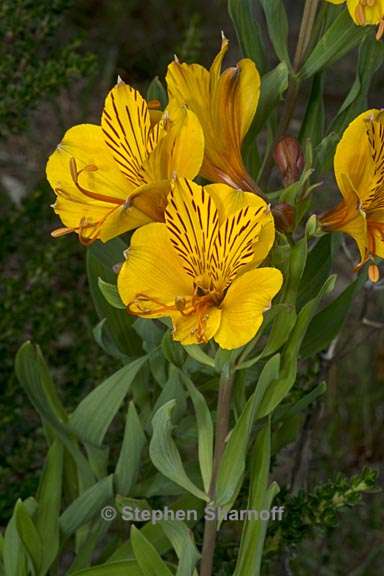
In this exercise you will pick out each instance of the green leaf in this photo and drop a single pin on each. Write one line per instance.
(283, 412)
(49, 499)
(87, 548)
(248, 31)
(197, 353)
(371, 58)
(123, 568)
(280, 387)
(87, 506)
(327, 324)
(101, 259)
(156, 91)
(182, 541)
(233, 462)
(164, 453)
(172, 350)
(204, 430)
(110, 293)
(273, 86)
(317, 269)
(96, 411)
(147, 556)
(14, 556)
(173, 390)
(277, 24)
(338, 40)
(254, 530)
(313, 125)
(128, 464)
(29, 536)
(34, 376)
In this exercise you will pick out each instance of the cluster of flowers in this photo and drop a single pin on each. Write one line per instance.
(196, 254)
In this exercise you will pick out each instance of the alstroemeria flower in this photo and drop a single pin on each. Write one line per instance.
(365, 12)
(200, 267)
(359, 170)
(225, 104)
(112, 178)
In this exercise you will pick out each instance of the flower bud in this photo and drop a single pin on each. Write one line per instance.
(289, 159)
(284, 215)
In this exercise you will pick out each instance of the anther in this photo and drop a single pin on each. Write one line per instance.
(373, 273)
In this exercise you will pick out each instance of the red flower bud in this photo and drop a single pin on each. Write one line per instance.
(284, 215)
(289, 159)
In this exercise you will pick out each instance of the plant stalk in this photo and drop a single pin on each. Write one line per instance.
(305, 33)
(221, 433)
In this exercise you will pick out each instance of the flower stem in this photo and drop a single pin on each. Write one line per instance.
(222, 428)
(306, 28)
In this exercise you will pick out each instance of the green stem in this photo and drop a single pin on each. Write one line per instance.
(305, 34)
(221, 433)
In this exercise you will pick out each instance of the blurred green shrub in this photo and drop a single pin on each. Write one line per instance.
(36, 59)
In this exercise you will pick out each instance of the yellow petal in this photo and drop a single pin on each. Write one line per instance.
(354, 159)
(181, 151)
(152, 270)
(88, 184)
(229, 200)
(243, 306)
(366, 14)
(225, 106)
(186, 328)
(126, 125)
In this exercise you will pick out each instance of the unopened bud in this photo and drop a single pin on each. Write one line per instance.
(284, 216)
(289, 159)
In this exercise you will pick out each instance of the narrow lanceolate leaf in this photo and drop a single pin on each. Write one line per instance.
(277, 23)
(95, 413)
(14, 555)
(233, 462)
(317, 269)
(314, 120)
(253, 534)
(280, 387)
(327, 324)
(248, 31)
(164, 453)
(204, 431)
(128, 464)
(182, 541)
(341, 37)
(123, 568)
(273, 86)
(371, 58)
(147, 556)
(87, 506)
(33, 375)
(101, 260)
(110, 293)
(29, 536)
(49, 499)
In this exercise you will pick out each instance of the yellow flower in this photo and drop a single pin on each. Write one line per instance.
(359, 170)
(200, 266)
(225, 104)
(366, 12)
(114, 177)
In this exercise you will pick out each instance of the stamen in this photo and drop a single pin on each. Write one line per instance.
(75, 173)
(360, 13)
(380, 30)
(373, 273)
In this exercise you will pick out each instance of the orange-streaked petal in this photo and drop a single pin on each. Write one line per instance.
(88, 184)
(247, 299)
(126, 125)
(186, 328)
(152, 269)
(229, 200)
(225, 106)
(354, 159)
(180, 152)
